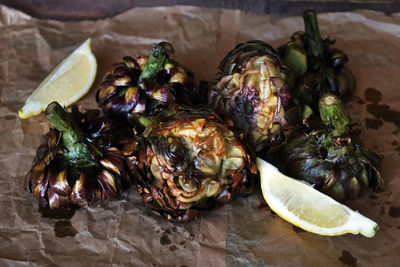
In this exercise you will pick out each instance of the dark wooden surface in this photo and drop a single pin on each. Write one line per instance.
(95, 9)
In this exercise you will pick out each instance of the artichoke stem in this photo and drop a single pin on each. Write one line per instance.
(156, 61)
(333, 114)
(312, 34)
(72, 135)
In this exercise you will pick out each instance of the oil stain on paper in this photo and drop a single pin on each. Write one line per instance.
(64, 229)
(348, 259)
(172, 248)
(373, 123)
(164, 240)
(379, 111)
(394, 212)
(373, 95)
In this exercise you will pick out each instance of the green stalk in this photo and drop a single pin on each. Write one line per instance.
(156, 61)
(313, 37)
(315, 50)
(333, 114)
(72, 135)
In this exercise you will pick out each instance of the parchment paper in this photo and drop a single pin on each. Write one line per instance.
(244, 233)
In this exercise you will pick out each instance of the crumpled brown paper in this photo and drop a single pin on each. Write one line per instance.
(244, 233)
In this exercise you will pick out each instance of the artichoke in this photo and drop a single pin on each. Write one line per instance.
(145, 85)
(329, 158)
(326, 154)
(79, 162)
(252, 92)
(315, 67)
(188, 161)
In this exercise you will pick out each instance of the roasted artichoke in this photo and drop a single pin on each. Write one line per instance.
(145, 85)
(252, 92)
(79, 162)
(315, 67)
(329, 158)
(188, 161)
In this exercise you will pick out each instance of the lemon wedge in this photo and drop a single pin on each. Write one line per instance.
(309, 209)
(68, 82)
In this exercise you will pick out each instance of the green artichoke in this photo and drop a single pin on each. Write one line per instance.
(146, 85)
(79, 162)
(315, 67)
(188, 161)
(252, 92)
(329, 158)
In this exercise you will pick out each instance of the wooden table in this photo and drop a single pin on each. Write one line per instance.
(95, 9)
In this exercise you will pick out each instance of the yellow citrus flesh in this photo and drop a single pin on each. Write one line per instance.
(68, 82)
(309, 209)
